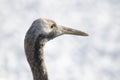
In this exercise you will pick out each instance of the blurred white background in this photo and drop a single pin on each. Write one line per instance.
(96, 57)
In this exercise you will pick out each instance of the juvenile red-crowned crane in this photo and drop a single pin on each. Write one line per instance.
(41, 31)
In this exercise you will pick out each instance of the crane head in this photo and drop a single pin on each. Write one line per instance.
(49, 29)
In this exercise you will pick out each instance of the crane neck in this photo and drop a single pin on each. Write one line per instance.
(38, 66)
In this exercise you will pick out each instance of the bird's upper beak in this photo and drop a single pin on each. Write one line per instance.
(66, 30)
(60, 30)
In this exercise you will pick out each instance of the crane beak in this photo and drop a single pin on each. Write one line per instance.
(60, 30)
(66, 30)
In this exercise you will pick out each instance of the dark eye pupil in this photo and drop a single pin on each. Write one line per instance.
(52, 26)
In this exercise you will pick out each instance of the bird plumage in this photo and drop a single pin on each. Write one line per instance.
(41, 31)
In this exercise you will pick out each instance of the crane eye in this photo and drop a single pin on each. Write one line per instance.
(52, 26)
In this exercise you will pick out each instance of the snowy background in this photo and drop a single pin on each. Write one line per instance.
(96, 57)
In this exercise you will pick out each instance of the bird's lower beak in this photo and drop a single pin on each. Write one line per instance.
(66, 30)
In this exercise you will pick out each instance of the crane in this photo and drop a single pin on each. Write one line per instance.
(41, 31)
